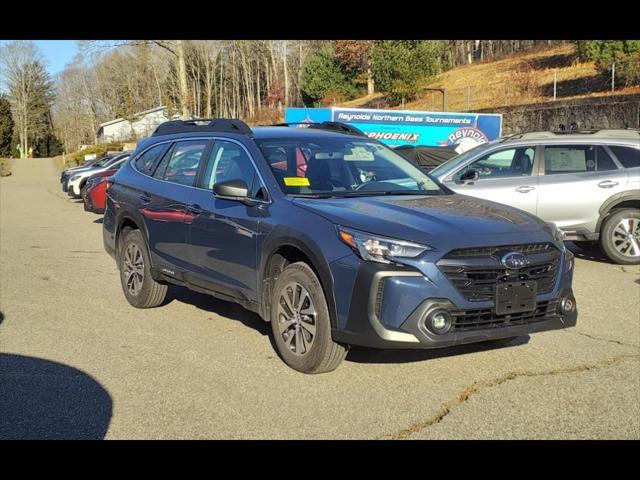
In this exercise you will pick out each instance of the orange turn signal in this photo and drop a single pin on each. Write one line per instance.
(348, 239)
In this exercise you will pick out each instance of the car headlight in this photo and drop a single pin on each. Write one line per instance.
(379, 249)
(75, 177)
(569, 260)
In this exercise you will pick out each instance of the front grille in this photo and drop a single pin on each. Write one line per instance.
(482, 252)
(475, 272)
(485, 318)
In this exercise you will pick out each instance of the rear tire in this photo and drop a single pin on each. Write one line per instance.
(620, 237)
(300, 322)
(139, 287)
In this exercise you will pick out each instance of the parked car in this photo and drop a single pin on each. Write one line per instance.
(94, 191)
(587, 183)
(426, 158)
(363, 249)
(69, 172)
(79, 178)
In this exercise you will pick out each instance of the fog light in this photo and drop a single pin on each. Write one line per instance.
(439, 321)
(568, 304)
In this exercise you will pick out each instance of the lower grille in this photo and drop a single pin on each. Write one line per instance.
(379, 295)
(485, 318)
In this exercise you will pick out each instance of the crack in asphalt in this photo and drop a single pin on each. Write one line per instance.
(601, 339)
(476, 387)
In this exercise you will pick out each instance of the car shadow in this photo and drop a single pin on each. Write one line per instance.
(356, 354)
(371, 355)
(99, 220)
(45, 400)
(226, 309)
(593, 254)
(1, 317)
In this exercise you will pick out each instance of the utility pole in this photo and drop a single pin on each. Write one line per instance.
(613, 76)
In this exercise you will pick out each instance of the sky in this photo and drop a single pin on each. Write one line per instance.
(57, 52)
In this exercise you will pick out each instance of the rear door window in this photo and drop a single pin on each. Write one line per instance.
(629, 157)
(183, 162)
(146, 163)
(560, 159)
(604, 161)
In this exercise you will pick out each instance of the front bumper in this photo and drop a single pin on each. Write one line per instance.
(389, 306)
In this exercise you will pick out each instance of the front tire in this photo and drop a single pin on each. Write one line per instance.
(139, 287)
(300, 322)
(620, 237)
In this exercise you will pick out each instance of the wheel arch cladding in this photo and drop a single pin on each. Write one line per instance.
(127, 222)
(283, 250)
(621, 200)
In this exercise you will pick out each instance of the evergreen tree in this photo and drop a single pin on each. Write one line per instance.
(6, 127)
(323, 77)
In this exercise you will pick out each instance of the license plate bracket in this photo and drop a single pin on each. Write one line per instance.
(515, 297)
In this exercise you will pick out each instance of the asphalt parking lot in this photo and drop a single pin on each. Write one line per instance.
(76, 361)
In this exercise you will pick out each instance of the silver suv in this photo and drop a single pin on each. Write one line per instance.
(587, 183)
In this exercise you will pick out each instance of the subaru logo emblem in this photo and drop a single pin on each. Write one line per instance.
(514, 260)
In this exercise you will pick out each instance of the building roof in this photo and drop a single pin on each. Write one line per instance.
(145, 112)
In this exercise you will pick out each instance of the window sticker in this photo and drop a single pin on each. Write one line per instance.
(296, 181)
(360, 154)
(566, 160)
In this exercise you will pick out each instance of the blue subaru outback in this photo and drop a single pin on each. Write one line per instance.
(332, 238)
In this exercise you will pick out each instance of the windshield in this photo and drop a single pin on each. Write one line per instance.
(457, 160)
(319, 167)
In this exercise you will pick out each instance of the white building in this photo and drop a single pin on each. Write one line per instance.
(143, 125)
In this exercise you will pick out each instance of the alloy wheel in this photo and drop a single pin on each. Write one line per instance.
(626, 237)
(297, 318)
(133, 269)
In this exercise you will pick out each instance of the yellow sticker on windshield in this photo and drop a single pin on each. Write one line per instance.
(296, 181)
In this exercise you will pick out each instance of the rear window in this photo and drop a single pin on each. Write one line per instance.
(629, 157)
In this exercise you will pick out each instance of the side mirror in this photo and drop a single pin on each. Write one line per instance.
(470, 176)
(232, 190)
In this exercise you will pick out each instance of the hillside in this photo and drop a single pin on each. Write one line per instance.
(514, 80)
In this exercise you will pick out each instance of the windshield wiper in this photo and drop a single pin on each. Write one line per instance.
(364, 194)
(389, 192)
(312, 195)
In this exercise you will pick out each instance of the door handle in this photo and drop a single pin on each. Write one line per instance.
(145, 197)
(525, 189)
(607, 184)
(194, 209)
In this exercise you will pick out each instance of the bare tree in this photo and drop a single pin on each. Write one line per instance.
(19, 64)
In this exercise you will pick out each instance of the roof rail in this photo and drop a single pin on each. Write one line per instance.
(202, 125)
(603, 132)
(332, 126)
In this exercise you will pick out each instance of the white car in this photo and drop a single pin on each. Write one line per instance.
(78, 179)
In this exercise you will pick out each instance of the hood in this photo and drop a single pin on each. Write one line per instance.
(441, 221)
(81, 168)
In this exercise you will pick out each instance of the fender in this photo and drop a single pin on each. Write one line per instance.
(284, 236)
(135, 217)
(618, 198)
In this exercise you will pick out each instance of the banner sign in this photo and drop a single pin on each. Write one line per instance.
(398, 127)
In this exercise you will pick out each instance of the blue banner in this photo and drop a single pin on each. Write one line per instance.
(396, 127)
